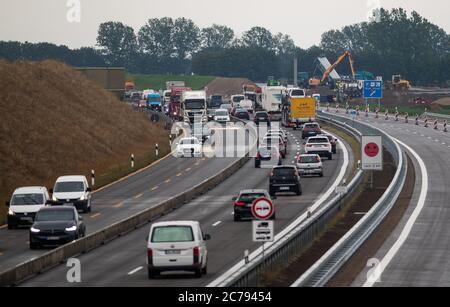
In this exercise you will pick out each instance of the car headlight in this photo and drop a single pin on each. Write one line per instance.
(54, 198)
(35, 230)
(73, 228)
(83, 197)
(10, 212)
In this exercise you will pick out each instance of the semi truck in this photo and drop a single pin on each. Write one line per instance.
(194, 106)
(154, 101)
(298, 111)
(175, 102)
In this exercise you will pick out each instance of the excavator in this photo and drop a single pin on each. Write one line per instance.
(316, 82)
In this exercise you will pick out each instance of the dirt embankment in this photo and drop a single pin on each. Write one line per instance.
(53, 122)
(226, 86)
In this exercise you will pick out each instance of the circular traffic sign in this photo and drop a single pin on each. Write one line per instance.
(262, 208)
(371, 150)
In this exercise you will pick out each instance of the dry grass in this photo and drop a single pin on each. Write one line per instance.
(53, 121)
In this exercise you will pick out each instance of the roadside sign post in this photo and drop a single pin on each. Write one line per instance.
(263, 229)
(371, 155)
(373, 90)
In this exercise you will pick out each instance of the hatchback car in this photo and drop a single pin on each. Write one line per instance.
(285, 179)
(56, 226)
(177, 246)
(310, 165)
(242, 114)
(319, 145)
(24, 204)
(333, 142)
(266, 154)
(72, 191)
(244, 201)
(276, 140)
(261, 117)
(310, 129)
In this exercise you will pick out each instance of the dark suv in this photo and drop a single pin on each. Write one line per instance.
(261, 117)
(310, 129)
(243, 203)
(285, 179)
(56, 226)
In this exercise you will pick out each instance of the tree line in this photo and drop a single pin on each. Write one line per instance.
(393, 42)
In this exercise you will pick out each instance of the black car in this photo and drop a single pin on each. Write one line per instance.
(243, 203)
(56, 226)
(310, 129)
(285, 179)
(267, 153)
(242, 114)
(261, 117)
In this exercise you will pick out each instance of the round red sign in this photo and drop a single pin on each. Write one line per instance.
(371, 150)
(262, 208)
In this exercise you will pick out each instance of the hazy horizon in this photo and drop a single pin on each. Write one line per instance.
(46, 20)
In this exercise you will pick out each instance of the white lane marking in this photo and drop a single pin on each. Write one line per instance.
(444, 144)
(429, 137)
(135, 270)
(318, 202)
(216, 223)
(436, 140)
(412, 219)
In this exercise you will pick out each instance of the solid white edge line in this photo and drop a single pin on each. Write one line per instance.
(216, 223)
(291, 226)
(135, 270)
(412, 219)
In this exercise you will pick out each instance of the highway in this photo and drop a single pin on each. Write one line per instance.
(417, 253)
(143, 190)
(122, 261)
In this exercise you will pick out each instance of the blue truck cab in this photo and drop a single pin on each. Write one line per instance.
(154, 101)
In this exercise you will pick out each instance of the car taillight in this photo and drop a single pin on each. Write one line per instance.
(305, 129)
(196, 253)
(317, 130)
(309, 145)
(239, 203)
(150, 256)
(258, 155)
(318, 159)
(271, 174)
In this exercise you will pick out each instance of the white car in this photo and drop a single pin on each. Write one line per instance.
(72, 191)
(189, 147)
(310, 165)
(177, 246)
(24, 204)
(222, 116)
(278, 133)
(246, 104)
(319, 145)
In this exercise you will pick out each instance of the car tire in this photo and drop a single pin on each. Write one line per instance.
(257, 164)
(295, 128)
(34, 246)
(152, 273)
(198, 273)
(205, 269)
(330, 157)
(12, 226)
(272, 192)
(299, 191)
(321, 174)
(237, 218)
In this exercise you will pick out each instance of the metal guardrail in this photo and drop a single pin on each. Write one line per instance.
(437, 115)
(298, 239)
(330, 263)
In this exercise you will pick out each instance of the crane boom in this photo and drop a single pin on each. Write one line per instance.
(327, 72)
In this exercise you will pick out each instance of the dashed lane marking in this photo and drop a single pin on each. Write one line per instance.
(179, 174)
(216, 223)
(95, 215)
(167, 180)
(188, 169)
(119, 205)
(154, 188)
(135, 270)
(138, 196)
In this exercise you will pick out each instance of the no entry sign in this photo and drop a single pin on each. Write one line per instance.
(262, 208)
(372, 153)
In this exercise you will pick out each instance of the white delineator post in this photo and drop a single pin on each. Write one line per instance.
(157, 149)
(132, 160)
(92, 178)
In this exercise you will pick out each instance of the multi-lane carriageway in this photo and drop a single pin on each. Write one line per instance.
(121, 262)
(417, 252)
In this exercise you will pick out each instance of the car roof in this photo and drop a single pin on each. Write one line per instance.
(71, 178)
(284, 166)
(308, 155)
(29, 190)
(175, 223)
(254, 191)
(223, 110)
(58, 208)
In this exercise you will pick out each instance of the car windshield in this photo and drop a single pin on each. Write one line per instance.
(167, 95)
(194, 104)
(307, 159)
(221, 113)
(172, 234)
(311, 126)
(225, 106)
(189, 141)
(27, 199)
(267, 150)
(215, 104)
(250, 197)
(238, 98)
(318, 140)
(69, 186)
(284, 172)
(176, 98)
(261, 115)
(297, 93)
(55, 215)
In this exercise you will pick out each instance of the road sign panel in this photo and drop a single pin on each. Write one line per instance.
(262, 208)
(263, 231)
(372, 153)
(373, 89)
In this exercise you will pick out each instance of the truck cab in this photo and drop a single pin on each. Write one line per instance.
(194, 106)
(154, 101)
(175, 102)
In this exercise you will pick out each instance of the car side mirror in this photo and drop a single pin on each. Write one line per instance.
(88, 189)
(7, 204)
(206, 237)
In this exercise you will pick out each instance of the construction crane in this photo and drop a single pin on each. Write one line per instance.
(326, 74)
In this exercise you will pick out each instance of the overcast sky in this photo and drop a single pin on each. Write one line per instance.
(304, 21)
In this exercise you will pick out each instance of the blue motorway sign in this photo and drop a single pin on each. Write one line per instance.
(373, 89)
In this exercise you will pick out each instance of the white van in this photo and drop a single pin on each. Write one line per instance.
(247, 104)
(72, 191)
(177, 246)
(24, 204)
